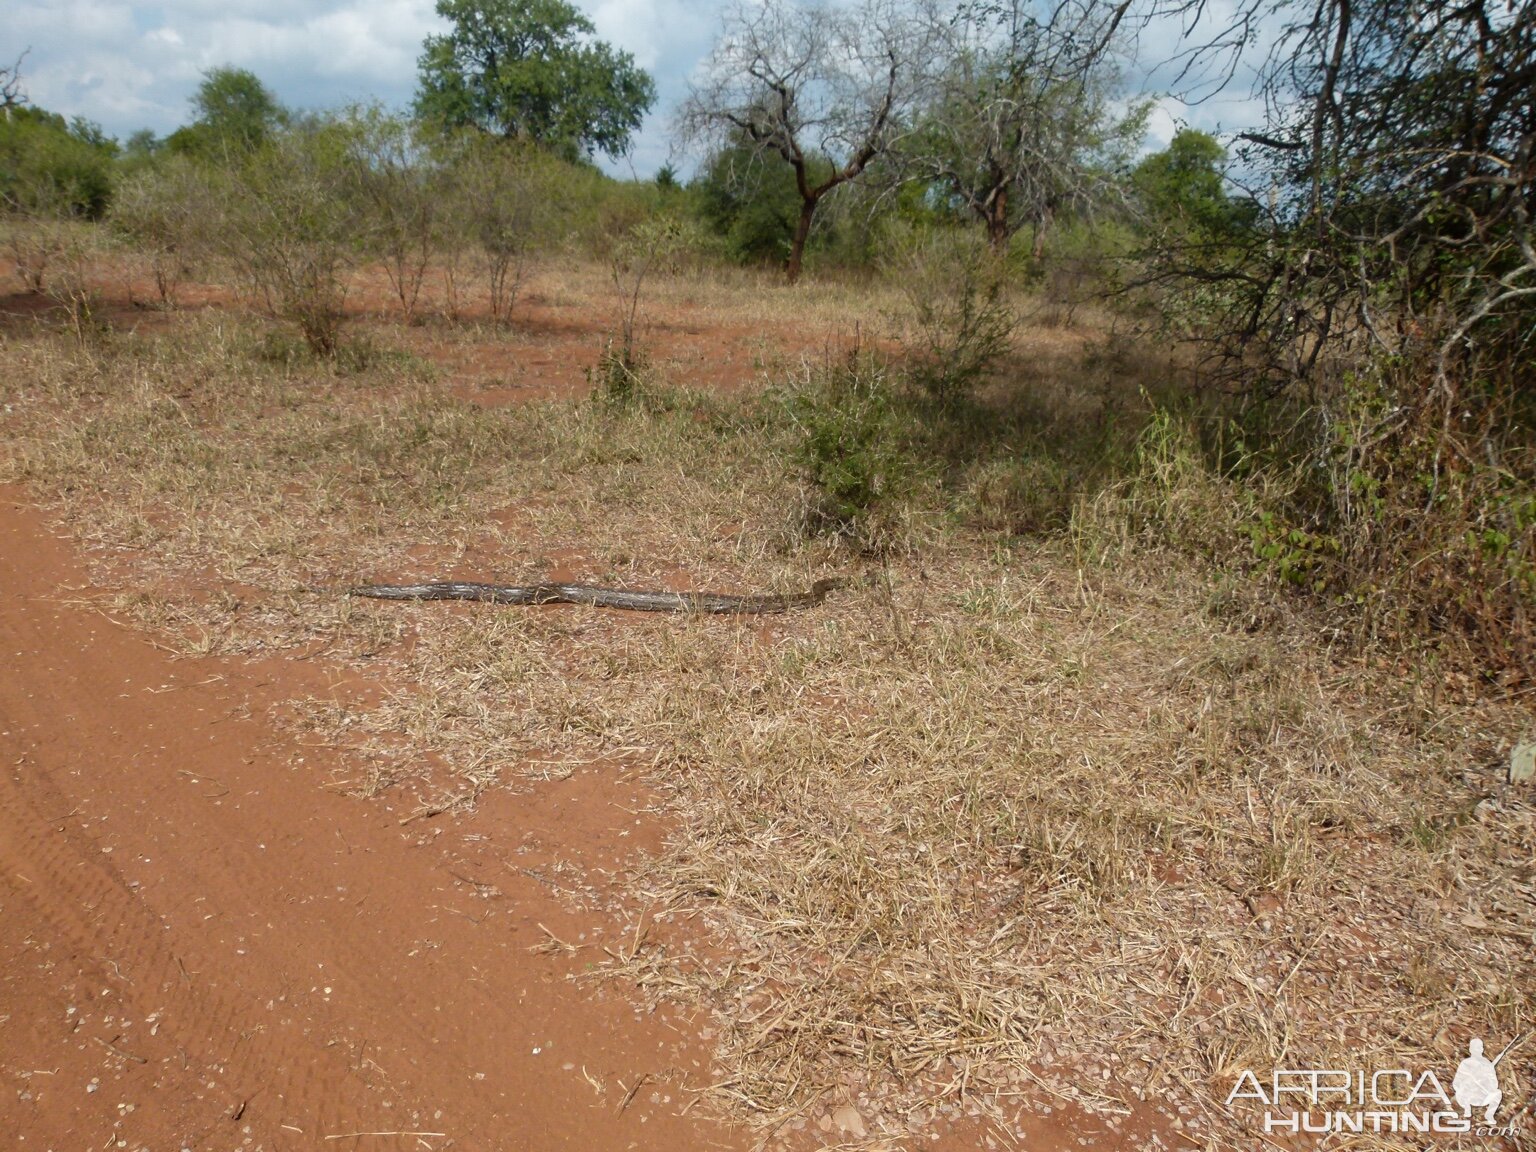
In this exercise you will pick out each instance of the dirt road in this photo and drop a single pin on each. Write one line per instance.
(204, 947)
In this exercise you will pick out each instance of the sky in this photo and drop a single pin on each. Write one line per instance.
(129, 66)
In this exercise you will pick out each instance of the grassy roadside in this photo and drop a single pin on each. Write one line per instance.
(1076, 814)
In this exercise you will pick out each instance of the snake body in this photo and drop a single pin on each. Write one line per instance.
(712, 603)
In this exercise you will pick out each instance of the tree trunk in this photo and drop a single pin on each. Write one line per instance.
(802, 233)
(996, 217)
(1042, 226)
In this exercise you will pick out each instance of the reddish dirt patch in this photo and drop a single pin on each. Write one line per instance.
(203, 947)
(553, 344)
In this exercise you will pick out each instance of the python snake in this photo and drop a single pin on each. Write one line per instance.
(712, 603)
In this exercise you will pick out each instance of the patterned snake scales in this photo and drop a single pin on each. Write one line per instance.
(712, 603)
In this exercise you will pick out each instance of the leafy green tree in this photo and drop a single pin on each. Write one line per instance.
(750, 202)
(140, 152)
(1181, 186)
(531, 70)
(52, 168)
(235, 115)
(141, 145)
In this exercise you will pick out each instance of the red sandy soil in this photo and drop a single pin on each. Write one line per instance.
(203, 946)
(555, 338)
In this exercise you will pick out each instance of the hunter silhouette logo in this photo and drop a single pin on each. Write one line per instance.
(1345, 1100)
(1477, 1081)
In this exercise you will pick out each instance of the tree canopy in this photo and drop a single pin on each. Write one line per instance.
(50, 167)
(531, 69)
(235, 114)
(1182, 186)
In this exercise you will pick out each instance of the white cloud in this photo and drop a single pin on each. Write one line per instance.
(130, 67)
(667, 39)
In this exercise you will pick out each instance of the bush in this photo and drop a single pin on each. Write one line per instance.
(1432, 522)
(165, 210)
(751, 203)
(637, 245)
(1420, 535)
(50, 169)
(500, 190)
(37, 243)
(293, 223)
(852, 451)
(53, 175)
(959, 320)
(1083, 264)
(405, 194)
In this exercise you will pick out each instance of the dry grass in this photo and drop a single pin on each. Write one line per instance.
(727, 296)
(1001, 824)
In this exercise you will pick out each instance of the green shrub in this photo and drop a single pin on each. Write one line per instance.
(53, 169)
(751, 203)
(852, 450)
(959, 321)
(1295, 555)
(165, 210)
(293, 224)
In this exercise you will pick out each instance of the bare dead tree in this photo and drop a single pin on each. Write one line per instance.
(1395, 181)
(11, 94)
(1018, 125)
(823, 90)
